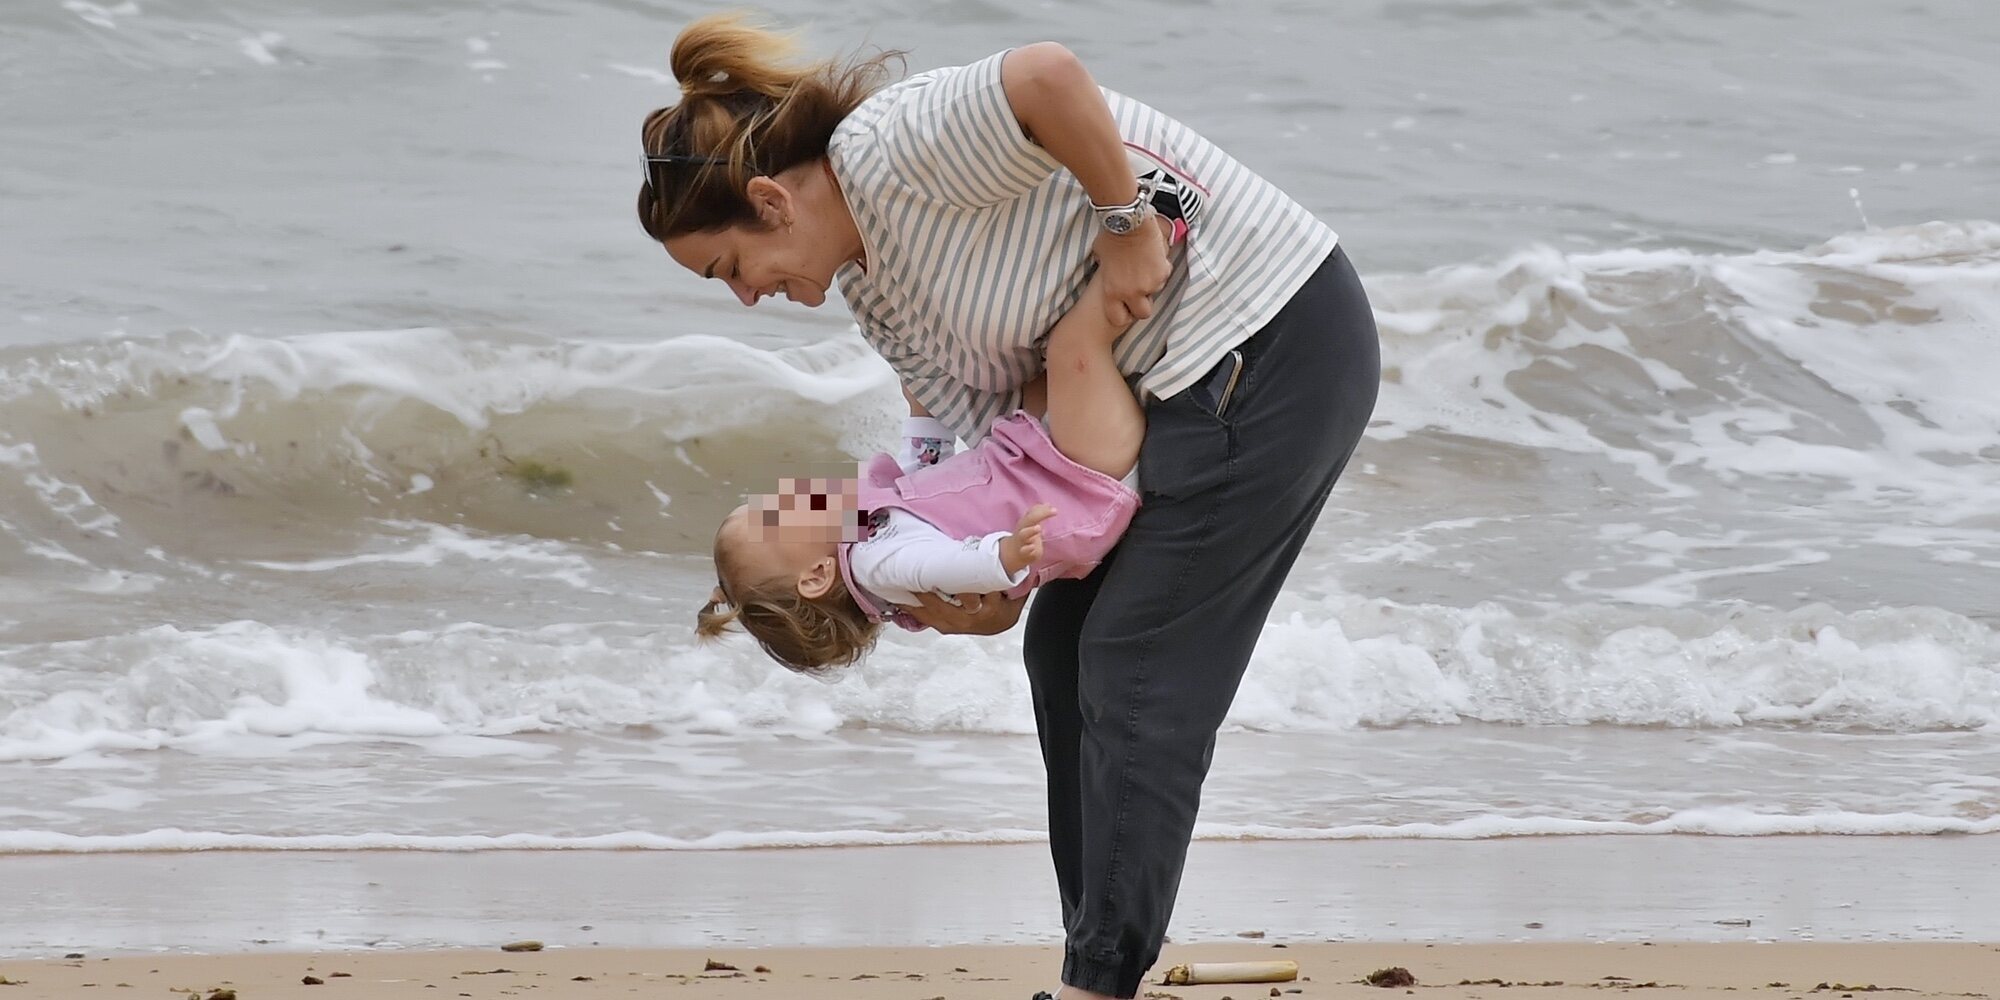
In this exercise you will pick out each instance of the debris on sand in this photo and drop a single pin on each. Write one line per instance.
(1394, 975)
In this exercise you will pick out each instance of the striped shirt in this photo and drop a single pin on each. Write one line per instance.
(978, 241)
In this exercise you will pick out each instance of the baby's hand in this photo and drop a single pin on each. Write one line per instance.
(1023, 548)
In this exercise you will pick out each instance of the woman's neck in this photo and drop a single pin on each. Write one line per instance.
(840, 214)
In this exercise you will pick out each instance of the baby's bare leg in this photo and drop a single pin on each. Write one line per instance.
(1035, 396)
(1093, 416)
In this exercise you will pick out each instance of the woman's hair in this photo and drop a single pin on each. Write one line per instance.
(809, 636)
(745, 111)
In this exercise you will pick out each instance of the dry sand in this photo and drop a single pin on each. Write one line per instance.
(1443, 972)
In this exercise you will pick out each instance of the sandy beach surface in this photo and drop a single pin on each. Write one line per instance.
(1540, 917)
(1016, 972)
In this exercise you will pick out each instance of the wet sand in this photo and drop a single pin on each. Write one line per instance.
(1509, 890)
(1445, 972)
(1698, 916)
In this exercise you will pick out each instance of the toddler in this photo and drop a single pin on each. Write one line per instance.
(814, 570)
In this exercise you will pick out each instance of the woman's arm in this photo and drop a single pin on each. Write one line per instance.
(1061, 108)
(974, 614)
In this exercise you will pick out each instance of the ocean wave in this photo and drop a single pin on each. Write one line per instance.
(189, 437)
(1694, 822)
(1321, 666)
(472, 470)
(1858, 368)
(1860, 364)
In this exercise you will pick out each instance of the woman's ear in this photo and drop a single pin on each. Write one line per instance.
(816, 581)
(772, 201)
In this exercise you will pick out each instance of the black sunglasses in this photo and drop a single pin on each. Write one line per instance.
(656, 160)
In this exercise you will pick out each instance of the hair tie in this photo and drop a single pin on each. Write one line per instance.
(695, 88)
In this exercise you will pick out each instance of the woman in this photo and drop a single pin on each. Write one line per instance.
(960, 211)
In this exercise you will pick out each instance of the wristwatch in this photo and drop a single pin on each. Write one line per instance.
(1118, 220)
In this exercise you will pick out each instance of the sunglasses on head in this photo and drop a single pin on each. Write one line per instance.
(655, 161)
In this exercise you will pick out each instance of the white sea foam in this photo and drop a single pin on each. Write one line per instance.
(258, 47)
(437, 544)
(100, 15)
(1330, 665)
(1704, 822)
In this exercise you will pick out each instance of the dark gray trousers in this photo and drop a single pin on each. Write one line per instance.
(1133, 668)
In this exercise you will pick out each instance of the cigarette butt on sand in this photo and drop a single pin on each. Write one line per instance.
(1210, 973)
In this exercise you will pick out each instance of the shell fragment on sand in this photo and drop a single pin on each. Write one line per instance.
(1210, 973)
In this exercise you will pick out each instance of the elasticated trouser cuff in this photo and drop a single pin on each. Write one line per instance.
(1118, 979)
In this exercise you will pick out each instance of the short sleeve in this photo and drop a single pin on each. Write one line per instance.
(952, 136)
(967, 412)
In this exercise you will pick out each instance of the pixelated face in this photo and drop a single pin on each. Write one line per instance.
(807, 510)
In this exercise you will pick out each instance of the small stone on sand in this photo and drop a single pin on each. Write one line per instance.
(522, 946)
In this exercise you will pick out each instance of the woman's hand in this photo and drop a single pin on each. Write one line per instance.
(1131, 269)
(974, 614)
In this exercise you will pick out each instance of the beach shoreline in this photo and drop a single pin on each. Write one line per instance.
(1674, 888)
(1555, 971)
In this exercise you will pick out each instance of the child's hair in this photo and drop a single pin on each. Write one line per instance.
(809, 636)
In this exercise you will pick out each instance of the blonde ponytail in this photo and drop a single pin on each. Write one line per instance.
(746, 110)
(722, 53)
(712, 621)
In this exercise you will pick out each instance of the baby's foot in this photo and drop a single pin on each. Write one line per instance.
(1095, 335)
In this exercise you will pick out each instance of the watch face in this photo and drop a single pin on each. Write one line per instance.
(1118, 224)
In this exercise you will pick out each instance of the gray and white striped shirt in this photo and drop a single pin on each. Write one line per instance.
(978, 241)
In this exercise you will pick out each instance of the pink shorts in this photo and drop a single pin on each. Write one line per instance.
(1092, 509)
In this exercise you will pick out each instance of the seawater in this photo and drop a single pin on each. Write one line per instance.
(359, 457)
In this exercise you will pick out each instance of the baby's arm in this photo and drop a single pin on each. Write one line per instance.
(1023, 548)
(939, 564)
(910, 555)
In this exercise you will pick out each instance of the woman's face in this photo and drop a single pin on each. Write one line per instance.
(794, 253)
(757, 263)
